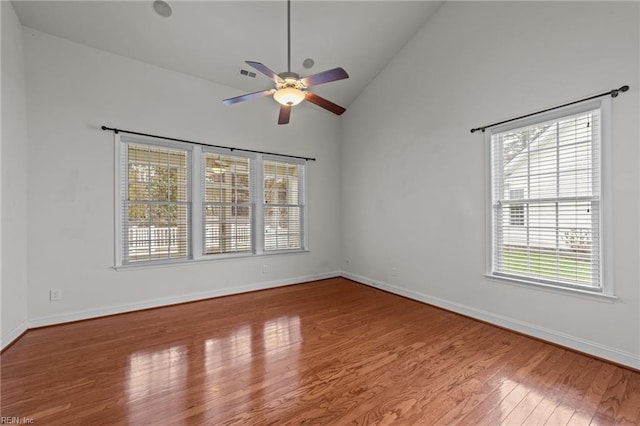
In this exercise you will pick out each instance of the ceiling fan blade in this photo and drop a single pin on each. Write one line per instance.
(248, 96)
(265, 70)
(285, 113)
(323, 103)
(325, 77)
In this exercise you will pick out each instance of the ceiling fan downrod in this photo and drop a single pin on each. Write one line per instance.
(289, 36)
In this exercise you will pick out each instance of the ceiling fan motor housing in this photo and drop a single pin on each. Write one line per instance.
(290, 79)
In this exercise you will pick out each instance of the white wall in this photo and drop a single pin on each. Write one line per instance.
(413, 195)
(13, 154)
(71, 91)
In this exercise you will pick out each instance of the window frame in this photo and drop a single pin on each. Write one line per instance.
(120, 157)
(606, 289)
(195, 188)
(302, 201)
(199, 239)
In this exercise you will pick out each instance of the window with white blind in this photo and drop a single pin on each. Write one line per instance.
(283, 204)
(546, 207)
(227, 204)
(156, 203)
(180, 202)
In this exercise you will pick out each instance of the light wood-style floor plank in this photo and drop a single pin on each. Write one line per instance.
(329, 352)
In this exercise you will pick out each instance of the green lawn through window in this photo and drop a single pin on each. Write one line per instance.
(544, 265)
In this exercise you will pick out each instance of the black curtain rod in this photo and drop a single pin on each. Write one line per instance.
(205, 144)
(613, 93)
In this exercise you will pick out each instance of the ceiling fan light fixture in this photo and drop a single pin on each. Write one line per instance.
(289, 96)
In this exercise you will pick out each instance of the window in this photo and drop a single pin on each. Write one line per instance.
(157, 205)
(546, 199)
(182, 202)
(227, 204)
(283, 205)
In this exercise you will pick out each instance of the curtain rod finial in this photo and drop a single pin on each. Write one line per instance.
(616, 92)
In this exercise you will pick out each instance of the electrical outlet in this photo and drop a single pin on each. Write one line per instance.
(347, 262)
(394, 271)
(265, 269)
(55, 294)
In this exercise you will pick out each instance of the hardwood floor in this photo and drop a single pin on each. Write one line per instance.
(330, 352)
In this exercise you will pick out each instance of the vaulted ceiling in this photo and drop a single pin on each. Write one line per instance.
(212, 39)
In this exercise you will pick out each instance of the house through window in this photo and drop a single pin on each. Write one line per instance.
(516, 211)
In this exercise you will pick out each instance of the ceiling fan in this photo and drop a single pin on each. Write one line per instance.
(291, 89)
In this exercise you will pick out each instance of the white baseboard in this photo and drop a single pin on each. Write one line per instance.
(156, 303)
(14, 334)
(553, 336)
(166, 301)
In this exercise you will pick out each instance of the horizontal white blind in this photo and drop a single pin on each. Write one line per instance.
(546, 201)
(227, 205)
(156, 203)
(283, 205)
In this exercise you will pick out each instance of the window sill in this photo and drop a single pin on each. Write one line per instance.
(208, 259)
(549, 288)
